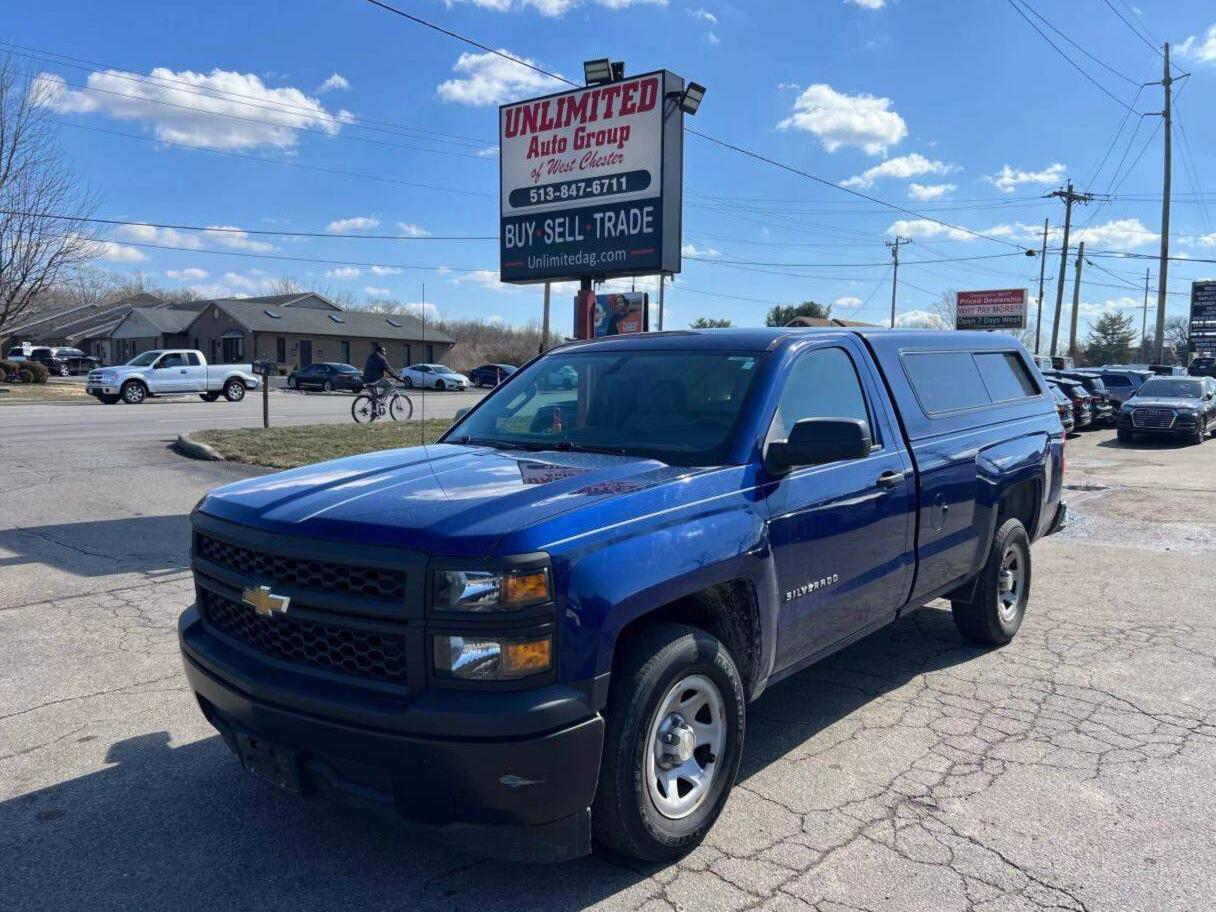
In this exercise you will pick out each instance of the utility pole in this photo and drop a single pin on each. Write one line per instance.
(1144, 321)
(1069, 197)
(662, 283)
(1076, 303)
(1038, 326)
(1163, 270)
(544, 322)
(895, 245)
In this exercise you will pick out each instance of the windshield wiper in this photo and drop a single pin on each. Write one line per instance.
(466, 440)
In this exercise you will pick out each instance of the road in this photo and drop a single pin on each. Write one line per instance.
(1071, 770)
(91, 422)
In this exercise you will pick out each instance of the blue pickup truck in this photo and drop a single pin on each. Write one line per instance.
(542, 633)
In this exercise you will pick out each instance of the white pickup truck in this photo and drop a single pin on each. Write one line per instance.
(170, 372)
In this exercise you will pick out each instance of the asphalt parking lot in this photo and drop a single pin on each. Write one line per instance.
(1070, 770)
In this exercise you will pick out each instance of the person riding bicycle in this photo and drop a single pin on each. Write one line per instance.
(376, 371)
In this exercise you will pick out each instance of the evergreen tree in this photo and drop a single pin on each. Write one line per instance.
(783, 313)
(1110, 339)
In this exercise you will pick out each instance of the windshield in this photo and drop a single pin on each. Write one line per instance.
(443, 369)
(677, 406)
(1171, 389)
(143, 360)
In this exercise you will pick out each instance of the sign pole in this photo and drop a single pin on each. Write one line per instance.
(544, 323)
(1038, 326)
(662, 282)
(266, 400)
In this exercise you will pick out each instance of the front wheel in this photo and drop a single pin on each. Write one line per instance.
(997, 607)
(409, 382)
(292, 383)
(65, 371)
(327, 387)
(440, 386)
(675, 724)
(1201, 430)
(234, 390)
(107, 398)
(400, 408)
(134, 392)
(1125, 435)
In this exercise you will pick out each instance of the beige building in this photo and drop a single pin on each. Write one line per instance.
(301, 329)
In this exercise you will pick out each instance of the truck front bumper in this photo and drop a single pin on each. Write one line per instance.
(521, 798)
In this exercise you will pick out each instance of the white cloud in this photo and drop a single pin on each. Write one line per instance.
(386, 270)
(924, 228)
(930, 191)
(839, 120)
(901, 168)
(487, 79)
(418, 309)
(114, 252)
(183, 106)
(343, 273)
(235, 238)
(253, 282)
(550, 7)
(335, 83)
(486, 278)
(225, 235)
(789, 86)
(703, 15)
(357, 223)
(1118, 233)
(712, 38)
(1201, 50)
(488, 152)
(378, 292)
(691, 250)
(1208, 240)
(847, 302)
(190, 274)
(868, 4)
(409, 229)
(919, 319)
(1111, 305)
(1009, 179)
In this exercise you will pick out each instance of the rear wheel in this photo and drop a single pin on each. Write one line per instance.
(327, 387)
(292, 383)
(107, 399)
(208, 397)
(997, 607)
(363, 409)
(675, 724)
(408, 381)
(234, 390)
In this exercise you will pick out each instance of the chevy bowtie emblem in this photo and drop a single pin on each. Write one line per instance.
(265, 602)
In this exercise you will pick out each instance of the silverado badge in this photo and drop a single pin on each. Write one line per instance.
(265, 602)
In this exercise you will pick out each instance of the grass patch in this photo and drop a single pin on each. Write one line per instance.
(31, 393)
(288, 447)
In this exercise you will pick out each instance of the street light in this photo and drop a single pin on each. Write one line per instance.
(694, 92)
(597, 71)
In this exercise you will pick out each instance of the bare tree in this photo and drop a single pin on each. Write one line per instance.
(946, 308)
(40, 198)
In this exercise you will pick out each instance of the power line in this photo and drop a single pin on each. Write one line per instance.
(1096, 60)
(1105, 91)
(254, 231)
(1156, 50)
(718, 262)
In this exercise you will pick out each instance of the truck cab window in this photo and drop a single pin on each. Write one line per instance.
(170, 360)
(822, 384)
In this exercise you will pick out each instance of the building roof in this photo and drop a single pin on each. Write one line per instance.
(256, 316)
(825, 321)
(165, 320)
(85, 320)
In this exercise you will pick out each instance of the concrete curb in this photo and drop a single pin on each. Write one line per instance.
(189, 447)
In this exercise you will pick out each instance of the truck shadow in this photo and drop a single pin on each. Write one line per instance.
(147, 544)
(168, 827)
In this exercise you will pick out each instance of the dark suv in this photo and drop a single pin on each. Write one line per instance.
(1203, 366)
(64, 362)
(1172, 406)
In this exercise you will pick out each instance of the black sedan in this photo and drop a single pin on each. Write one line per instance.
(64, 362)
(490, 375)
(1170, 406)
(326, 376)
(1082, 404)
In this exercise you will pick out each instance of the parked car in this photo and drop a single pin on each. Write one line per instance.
(1166, 370)
(60, 361)
(490, 375)
(326, 376)
(1121, 385)
(545, 629)
(558, 377)
(1064, 407)
(1062, 362)
(1202, 366)
(1173, 406)
(169, 372)
(1100, 404)
(1082, 404)
(434, 376)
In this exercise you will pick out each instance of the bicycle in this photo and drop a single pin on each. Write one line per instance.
(371, 405)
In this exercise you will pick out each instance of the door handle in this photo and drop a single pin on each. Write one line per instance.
(183, 370)
(889, 479)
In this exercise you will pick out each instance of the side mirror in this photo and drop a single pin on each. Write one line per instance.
(815, 441)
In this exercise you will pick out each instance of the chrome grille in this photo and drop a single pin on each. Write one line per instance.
(1158, 418)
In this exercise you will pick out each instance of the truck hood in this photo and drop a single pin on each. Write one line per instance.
(442, 499)
(1137, 402)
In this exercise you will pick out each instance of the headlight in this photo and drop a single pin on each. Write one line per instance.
(476, 658)
(490, 590)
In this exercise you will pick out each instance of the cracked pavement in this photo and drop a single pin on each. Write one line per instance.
(1071, 770)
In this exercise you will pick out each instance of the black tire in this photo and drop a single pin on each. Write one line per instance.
(133, 392)
(64, 371)
(208, 397)
(292, 383)
(107, 399)
(409, 382)
(327, 387)
(363, 409)
(400, 408)
(624, 816)
(1201, 430)
(440, 386)
(982, 620)
(1125, 435)
(234, 390)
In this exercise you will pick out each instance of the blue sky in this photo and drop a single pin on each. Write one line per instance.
(952, 108)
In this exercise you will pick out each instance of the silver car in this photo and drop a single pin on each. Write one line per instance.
(434, 376)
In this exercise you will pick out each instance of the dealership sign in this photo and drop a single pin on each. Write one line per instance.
(1203, 317)
(1004, 308)
(591, 181)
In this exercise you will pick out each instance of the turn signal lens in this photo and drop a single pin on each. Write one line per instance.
(526, 588)
(491, 658)
(490, 590)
